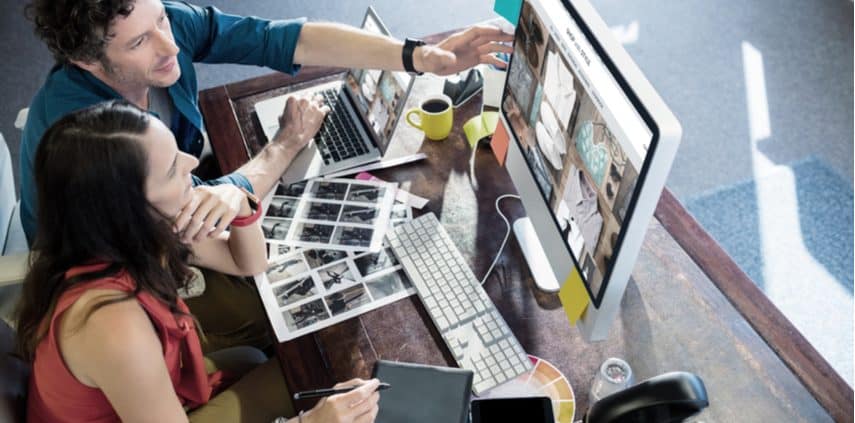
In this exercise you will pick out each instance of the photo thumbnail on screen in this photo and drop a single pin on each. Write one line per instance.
(585, 168)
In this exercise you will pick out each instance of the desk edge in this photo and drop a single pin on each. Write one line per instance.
(823, 382)
(217, 102)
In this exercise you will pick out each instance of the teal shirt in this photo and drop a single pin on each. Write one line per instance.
(202, 35)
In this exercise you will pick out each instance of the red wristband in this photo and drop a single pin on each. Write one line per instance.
(247, 220)
(255, 205)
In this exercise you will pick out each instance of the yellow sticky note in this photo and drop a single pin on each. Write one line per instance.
(480, 127)
(573, 296)
(474, 130)
(491, 119)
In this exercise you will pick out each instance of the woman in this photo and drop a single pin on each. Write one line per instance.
(100, 318)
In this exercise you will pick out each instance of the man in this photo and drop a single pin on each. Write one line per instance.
(144, 50)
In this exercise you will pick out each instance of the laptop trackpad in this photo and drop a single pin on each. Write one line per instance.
(307, 164)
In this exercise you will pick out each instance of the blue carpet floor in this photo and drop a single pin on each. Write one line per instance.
(825, 211)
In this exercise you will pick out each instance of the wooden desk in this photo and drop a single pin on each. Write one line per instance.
(688, 306)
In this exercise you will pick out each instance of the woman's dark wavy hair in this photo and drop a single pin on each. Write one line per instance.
(90, 173)
(76, 29)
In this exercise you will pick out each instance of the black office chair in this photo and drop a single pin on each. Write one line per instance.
(667, 398)
(14, 375)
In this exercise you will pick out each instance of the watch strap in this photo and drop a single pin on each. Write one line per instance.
(254, 205)
(410, 45)
(239, 222)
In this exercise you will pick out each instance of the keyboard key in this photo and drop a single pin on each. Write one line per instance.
(474, 331)
(442, 323)
(338, 133)
(468, 314)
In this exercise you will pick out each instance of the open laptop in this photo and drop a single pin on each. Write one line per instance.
(365, 106)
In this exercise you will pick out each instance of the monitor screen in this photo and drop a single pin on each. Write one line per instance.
(583, 139)
(379, 95)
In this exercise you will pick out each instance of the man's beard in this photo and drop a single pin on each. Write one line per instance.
(115, 73)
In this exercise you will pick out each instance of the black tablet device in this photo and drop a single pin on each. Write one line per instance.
(502, 410)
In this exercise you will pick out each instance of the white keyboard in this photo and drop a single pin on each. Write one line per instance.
(472, 328)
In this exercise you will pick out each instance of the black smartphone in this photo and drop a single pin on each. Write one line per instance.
(513, 410)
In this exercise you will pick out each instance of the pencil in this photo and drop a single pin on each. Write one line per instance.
(317, 393)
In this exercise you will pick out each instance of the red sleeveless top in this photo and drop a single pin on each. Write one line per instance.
(55, 395)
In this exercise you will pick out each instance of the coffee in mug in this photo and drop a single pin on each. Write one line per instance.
(434, 106)
(436, 117)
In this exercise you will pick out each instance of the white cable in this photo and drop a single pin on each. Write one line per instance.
(507, 234)
(472, 179)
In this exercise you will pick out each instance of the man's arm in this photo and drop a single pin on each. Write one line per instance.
(327, 44)
(215, 37)
(211, 36)
(338, 45)
(298, 123)
(330, 44)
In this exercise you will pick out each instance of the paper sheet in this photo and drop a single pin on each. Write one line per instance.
(401, 196)
(491, 119)
(574, 297)
(509, 9)
(339, 214)
(309, 289)
(480, 127)
(474, 130)
(499, 143)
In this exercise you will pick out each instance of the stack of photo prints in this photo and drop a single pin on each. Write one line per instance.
(339, 214)
(328, 261)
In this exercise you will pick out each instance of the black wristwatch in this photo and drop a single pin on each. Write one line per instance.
(410, 45)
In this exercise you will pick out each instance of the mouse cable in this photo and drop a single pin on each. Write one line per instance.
(507, 233)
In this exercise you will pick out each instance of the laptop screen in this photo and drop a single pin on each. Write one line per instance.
(379, 95)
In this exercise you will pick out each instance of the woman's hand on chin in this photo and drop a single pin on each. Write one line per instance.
(209, 212)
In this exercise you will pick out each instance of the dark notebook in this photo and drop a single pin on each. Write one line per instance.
(423, 394)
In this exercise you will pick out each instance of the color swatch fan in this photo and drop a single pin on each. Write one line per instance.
(544, 380)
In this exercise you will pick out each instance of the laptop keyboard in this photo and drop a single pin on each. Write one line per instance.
(338, 139)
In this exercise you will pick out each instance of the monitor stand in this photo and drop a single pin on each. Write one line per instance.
(541, 271)
(595, 322)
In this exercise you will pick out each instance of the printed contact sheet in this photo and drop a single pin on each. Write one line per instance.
(338, 214)
(304, 290)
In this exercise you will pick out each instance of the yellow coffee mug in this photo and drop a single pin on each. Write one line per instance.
(436, 117)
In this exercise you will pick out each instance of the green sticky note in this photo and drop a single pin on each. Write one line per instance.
(480, 127)
(573, 296)
(474, 130)
(490, 120)
(509, 9)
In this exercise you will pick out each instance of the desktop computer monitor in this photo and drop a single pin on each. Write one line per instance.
(591, 144)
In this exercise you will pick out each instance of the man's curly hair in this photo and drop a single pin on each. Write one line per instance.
(76, 29)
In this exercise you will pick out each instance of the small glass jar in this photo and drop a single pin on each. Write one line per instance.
(614, 375)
